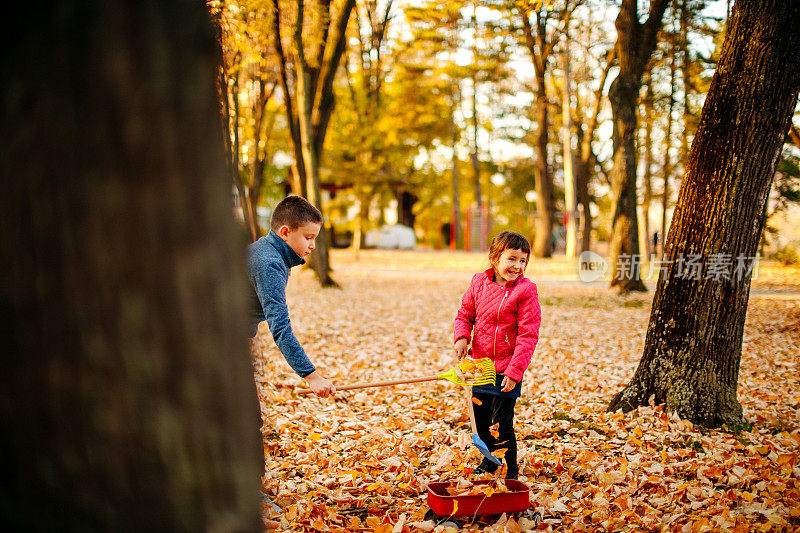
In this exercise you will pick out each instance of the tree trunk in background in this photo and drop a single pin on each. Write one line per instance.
(569, 175)
(476, 164)
(259, 159)
(358, 233)
(586, 158)
(247, 211)
(128, 396)
(635, 44)
(320, 259)
(540, 45)
(545, 216)
(687, 84)
(584, 200)
(647, 147)
(667, 169)
(694, 339)
(310, 101)
(455, 222)
(232, 149)
(405, 208)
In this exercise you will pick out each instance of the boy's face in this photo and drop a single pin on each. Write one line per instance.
(302, 239)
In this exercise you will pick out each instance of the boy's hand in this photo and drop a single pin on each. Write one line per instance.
(507, 384)
(461, 348)
(319, 385)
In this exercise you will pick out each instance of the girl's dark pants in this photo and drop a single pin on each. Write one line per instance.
(497, 410)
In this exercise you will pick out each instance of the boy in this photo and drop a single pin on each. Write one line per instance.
(294, 227)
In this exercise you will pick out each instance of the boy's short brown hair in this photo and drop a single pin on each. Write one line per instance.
(294, 211)
(508, 240)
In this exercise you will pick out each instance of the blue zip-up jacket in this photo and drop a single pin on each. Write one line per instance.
(269, 261)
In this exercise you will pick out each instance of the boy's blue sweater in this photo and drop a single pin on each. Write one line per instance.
(269, 260)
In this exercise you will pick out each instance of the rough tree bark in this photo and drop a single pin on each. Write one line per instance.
(128, 397)
(635, 44)
(694, 339)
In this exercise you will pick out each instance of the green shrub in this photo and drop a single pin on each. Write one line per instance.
(787, 256)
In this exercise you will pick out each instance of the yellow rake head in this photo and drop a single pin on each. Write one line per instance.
(471, 372)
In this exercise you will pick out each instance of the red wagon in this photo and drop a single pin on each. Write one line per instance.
(452, 510)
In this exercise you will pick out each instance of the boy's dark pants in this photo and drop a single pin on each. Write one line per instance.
(497, 410)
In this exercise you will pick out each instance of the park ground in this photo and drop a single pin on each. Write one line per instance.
(362, 462)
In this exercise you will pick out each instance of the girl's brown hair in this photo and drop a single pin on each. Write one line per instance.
(508, 240)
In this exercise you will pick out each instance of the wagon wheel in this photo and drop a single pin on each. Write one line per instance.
(533, 515)
(445, 521)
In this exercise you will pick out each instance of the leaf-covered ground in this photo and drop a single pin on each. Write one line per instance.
(362, 462)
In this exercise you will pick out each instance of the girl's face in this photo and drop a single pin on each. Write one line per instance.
(510, 265)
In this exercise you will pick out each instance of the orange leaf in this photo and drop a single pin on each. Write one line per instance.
(476, 401)
(455, 507)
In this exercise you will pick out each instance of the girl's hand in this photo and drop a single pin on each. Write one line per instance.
(508, 384)
(461, 348)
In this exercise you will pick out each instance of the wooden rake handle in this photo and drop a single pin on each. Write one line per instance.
(471, 410)
(376, 384)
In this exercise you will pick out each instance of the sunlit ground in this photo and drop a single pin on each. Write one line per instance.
(362, 462)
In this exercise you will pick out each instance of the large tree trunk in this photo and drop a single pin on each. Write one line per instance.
(694, 340)
(635, 44)
(128, 397)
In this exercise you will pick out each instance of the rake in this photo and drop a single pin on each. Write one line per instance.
(469, 372)
(476, 440)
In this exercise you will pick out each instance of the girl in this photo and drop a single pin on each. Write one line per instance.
(500, 314)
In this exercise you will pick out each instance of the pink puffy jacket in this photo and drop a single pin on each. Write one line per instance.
(502, 321)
